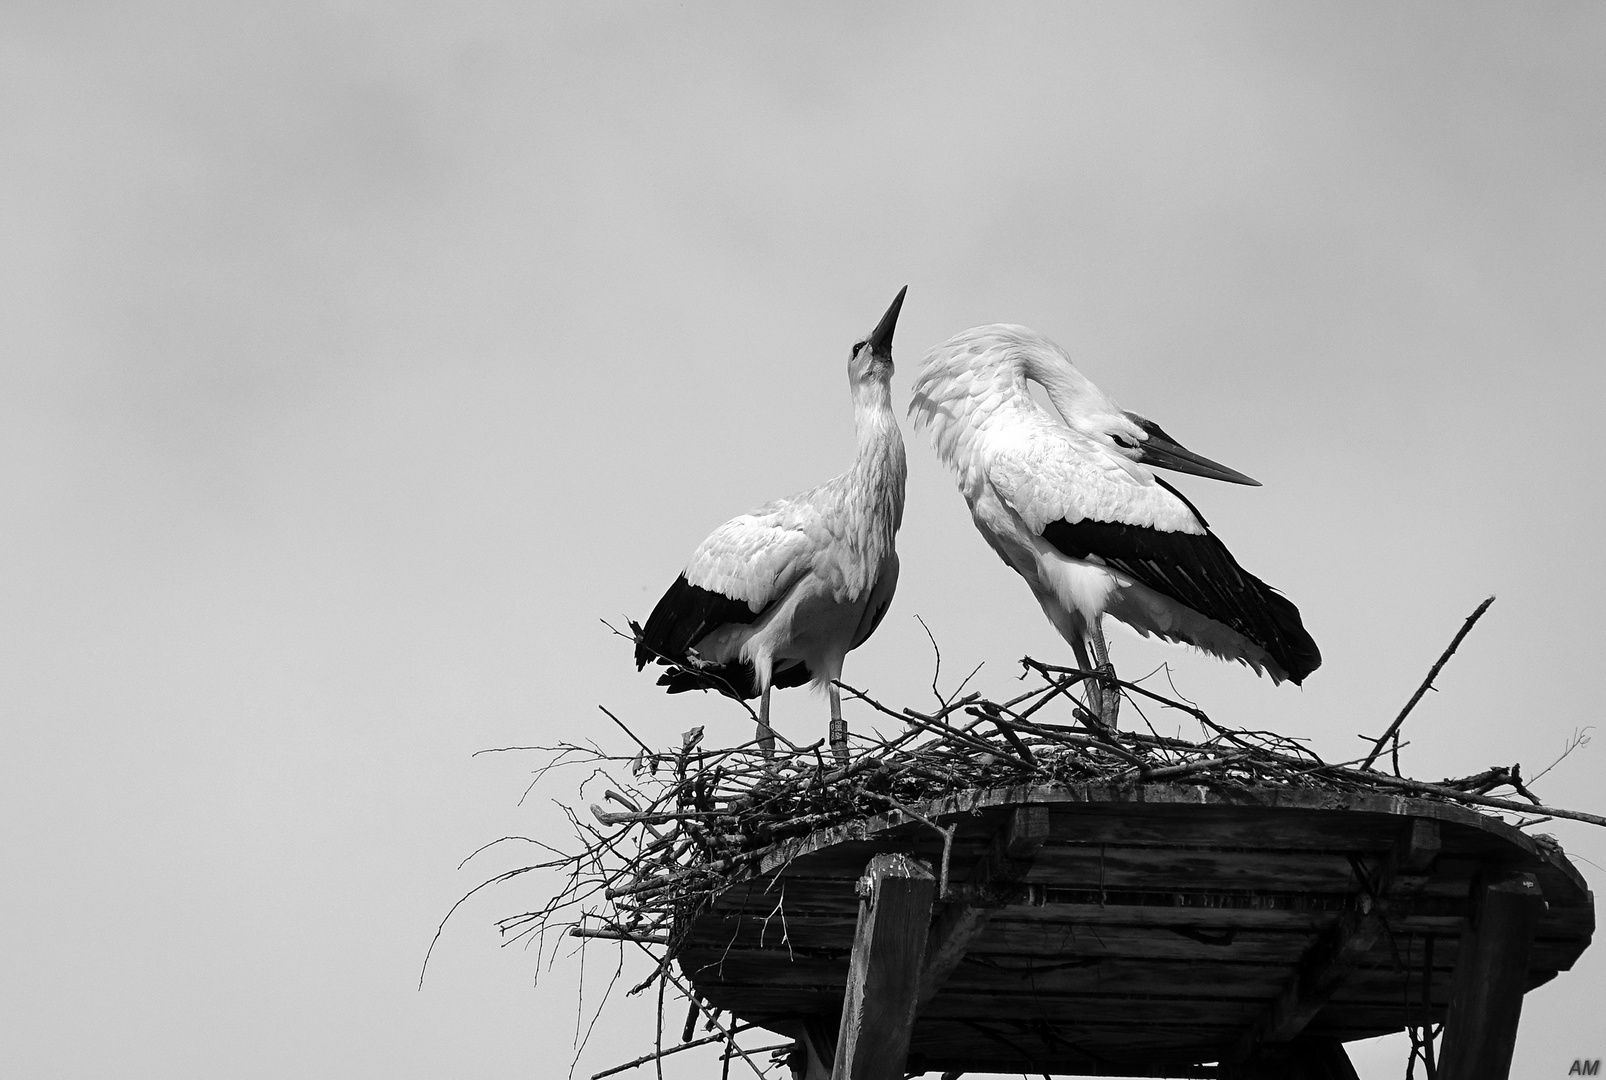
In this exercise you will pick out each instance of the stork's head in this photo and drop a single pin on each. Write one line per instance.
(871, 358)
(969, 376)
(1142, 440)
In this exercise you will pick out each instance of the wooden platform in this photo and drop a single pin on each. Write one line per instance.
(1141, 930)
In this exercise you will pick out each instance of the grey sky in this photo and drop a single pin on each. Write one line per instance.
(358, 358)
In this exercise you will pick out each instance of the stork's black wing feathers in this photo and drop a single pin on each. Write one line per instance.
(738, 679)
(684, 615)
(1199, 571)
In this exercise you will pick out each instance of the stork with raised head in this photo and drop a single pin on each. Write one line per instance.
(779, 596)
(1071, 503)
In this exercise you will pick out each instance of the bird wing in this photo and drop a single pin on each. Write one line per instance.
(1197, 571)
(1049, 473)
(886, 583)
(755, 558)
(742, 568)
(1093, 505)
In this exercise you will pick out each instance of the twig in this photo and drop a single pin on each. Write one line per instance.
(936, 669)
(624, 729)
(644, 1058)
(1484, 800)
(1427, 683)
(1580, 737)
(700, 816)
(1173, 772)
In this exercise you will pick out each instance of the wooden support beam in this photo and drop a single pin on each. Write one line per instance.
(1007, 861)
(814, 1051)
(1491, 974)
(1339, 948)
(1410, 864)
(878, 1009)
(1306, 1058)
(952, 932)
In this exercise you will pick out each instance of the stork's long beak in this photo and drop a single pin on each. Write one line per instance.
(880, 339)
(1161, 451)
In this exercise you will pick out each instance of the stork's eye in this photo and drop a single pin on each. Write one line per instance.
(1124, 443)
(857, 345)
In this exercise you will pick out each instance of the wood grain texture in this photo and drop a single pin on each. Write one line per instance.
(1480, 1031)
(1341, 948)
(883, 982)
(1156, 923)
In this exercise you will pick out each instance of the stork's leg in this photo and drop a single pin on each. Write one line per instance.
(1092, 689)
(839, 727)
(766, 736)
(1109, 693)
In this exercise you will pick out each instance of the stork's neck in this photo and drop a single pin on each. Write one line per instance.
(879, 466)
(1066, 387)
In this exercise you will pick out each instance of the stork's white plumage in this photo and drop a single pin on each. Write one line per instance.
(779, 596)
(1070, 503)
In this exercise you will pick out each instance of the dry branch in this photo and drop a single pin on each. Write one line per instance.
(1427, 683)
(694, 818)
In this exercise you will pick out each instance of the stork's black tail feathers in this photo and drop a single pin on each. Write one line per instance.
(685, 615)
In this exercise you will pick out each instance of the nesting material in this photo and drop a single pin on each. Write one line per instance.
(674, 827)
(676, 832)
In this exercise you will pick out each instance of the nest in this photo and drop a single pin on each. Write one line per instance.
(677, 826)
(691, 820)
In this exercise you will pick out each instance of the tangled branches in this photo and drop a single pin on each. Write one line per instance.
(673, 827)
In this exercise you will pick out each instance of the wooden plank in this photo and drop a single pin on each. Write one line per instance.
(1120, 971)
(950, 939)
(1115, 1027)
(1342, 946)
(1480, 1030)
(1007, 861)
(1008, 937)
(1126, 867)
(878, 1008)
(1239, 827)
(1186, 915)
(1374, 982)
(812, 896)
(1107, 1007)
(1044, 974)
(1140, 799)
(1306, 1058)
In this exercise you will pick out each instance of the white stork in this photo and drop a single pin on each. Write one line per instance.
(1070, 503)
(779, 596)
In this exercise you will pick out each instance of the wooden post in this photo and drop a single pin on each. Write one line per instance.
(1491, 973)
(878, 1009)
(811, 1057)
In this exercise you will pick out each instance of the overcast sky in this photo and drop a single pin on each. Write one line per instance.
(359, 358)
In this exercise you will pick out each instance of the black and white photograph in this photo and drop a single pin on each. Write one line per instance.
(814, 541)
